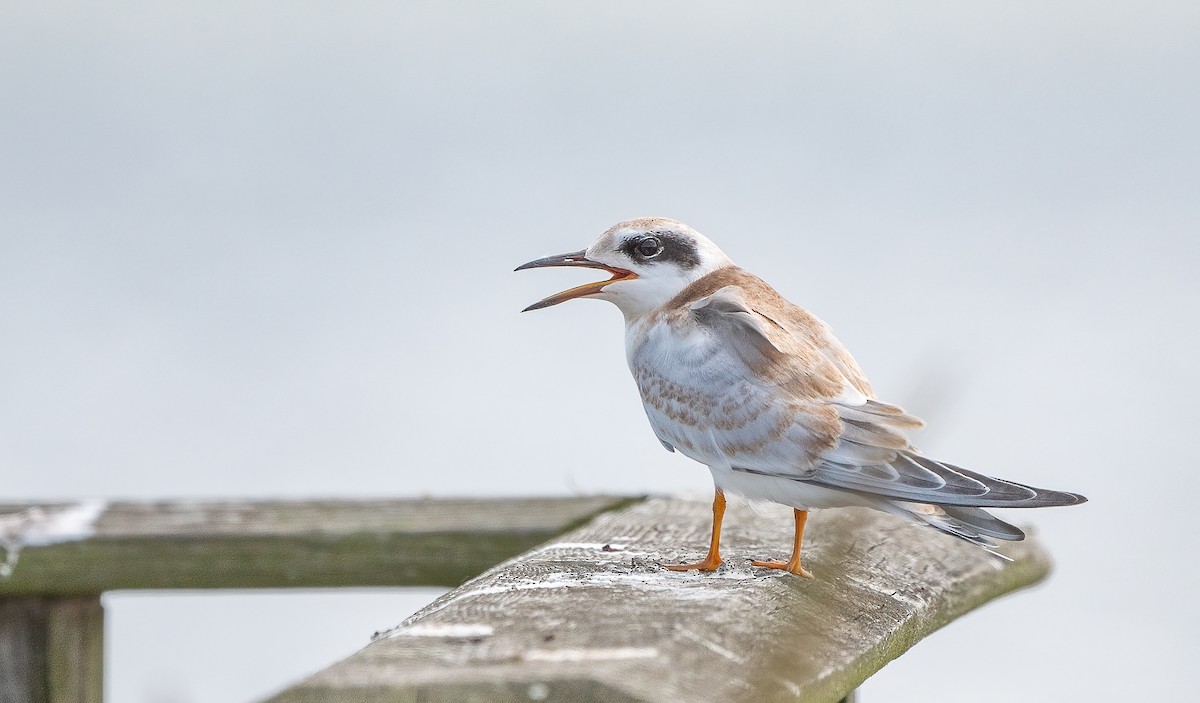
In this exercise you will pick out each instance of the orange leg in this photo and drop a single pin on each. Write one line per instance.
(791, 565)
(713, 560)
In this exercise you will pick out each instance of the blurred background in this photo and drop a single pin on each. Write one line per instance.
(265, 249)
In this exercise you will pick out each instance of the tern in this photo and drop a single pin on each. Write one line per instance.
(759, 390)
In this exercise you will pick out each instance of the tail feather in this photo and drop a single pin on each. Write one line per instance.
(984, 522)
(973, 525)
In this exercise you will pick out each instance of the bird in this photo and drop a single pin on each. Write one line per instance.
(756, 388)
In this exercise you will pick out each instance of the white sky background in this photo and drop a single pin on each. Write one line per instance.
(266, 250)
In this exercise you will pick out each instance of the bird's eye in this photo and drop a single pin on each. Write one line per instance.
(648, 247)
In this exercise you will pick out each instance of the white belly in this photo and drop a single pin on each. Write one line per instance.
(701, 400)
(796, 494)
(683, 381)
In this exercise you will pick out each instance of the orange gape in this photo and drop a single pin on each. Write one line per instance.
(791, 565)
(713, 559)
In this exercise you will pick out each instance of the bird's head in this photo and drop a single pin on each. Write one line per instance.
(651, 259)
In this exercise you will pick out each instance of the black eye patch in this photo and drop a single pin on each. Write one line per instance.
(654, 247)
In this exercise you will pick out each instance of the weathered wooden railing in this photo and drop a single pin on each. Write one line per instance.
(589, 615)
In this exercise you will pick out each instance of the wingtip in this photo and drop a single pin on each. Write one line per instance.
(1051, 499)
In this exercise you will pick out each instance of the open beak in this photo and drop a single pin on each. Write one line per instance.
(575, 258)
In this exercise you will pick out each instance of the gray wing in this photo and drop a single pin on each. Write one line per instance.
(866, 448)
(912, 477)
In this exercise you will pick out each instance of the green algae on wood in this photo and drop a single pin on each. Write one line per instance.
(273, 544)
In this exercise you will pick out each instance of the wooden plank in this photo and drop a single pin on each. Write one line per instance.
(593, 616)
(88, 549)
(51, 650)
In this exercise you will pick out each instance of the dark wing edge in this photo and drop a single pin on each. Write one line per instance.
(970, 524)
(915, 478)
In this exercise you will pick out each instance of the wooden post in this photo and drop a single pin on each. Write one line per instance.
(56, 559)
(591, 615)
(51, 650)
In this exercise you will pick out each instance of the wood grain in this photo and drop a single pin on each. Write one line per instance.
(593, 616)
(268, 544)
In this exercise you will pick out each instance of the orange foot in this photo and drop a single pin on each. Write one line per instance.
(709, 563)
(792, 567)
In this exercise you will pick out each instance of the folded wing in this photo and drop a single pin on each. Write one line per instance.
(859, 444)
